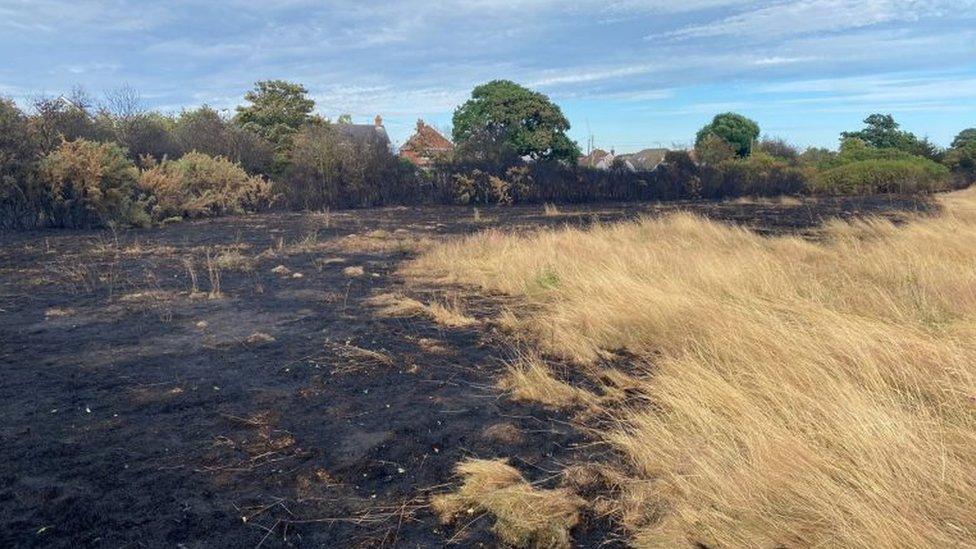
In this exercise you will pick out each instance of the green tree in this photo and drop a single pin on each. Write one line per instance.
(276, 110)
(964, 138)
(737, 130)
(882, 132)
(531, 124)
(961, 157)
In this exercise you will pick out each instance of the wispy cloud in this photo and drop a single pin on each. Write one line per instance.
(811, 16)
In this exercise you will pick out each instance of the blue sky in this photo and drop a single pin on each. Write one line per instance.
(633, 73)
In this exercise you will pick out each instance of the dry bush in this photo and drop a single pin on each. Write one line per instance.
(198, 185)
(525, 516)
(803, 393)
(88, 184)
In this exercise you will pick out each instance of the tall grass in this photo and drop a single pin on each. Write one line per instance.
(795, 394)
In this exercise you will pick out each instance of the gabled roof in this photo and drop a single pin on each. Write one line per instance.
(426, 138)
(425, 146)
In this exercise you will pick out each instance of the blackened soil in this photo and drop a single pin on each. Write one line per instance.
(137, 413)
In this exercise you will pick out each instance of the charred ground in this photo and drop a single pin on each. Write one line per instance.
(140, 411)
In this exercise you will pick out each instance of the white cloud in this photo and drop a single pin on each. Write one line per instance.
(580, 75)
(812, 16)
(877, 89)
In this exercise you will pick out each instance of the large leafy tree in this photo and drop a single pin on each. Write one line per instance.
(275, 110)
(737, 130)
(881, 131)
(961, 157)
(964, 138)
(531, 124)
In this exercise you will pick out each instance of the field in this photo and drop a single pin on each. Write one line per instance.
(313, 379)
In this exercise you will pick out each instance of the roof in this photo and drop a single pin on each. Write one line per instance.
(427, 138)
(364, 133)
(647, 159)
(594, 159)
(425, 145)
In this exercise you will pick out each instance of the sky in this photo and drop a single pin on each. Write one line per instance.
(630, 73)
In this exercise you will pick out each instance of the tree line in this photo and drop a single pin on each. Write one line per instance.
(72, 161)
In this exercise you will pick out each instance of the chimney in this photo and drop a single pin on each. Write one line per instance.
(379, 121)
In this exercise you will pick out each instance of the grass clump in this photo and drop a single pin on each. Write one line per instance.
(525, 516)
(797, 393)
(530, 379)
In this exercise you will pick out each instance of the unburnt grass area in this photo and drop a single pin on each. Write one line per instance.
(274, 380)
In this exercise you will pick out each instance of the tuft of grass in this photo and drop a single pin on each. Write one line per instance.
(259, 338)
(530, 379)
(395, 305)
(234, 260)
(798, 393)
(450, 313)
(59, 312)
(550, 210)
(525, 516)
(447, 313)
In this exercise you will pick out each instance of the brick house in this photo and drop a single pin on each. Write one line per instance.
(426, 146)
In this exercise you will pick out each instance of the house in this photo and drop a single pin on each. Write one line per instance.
(598, 159)
(645, 160)
(365, 134)
(426, 146)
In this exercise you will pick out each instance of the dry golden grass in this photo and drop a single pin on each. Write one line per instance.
(803, 393)
(234, 260)
(380, 241)
(450, 313)
(550, 210)
(59, 312)
(530, 379)
(525, 516)
(447, 313)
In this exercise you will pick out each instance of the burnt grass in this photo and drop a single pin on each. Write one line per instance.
(138, 415)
